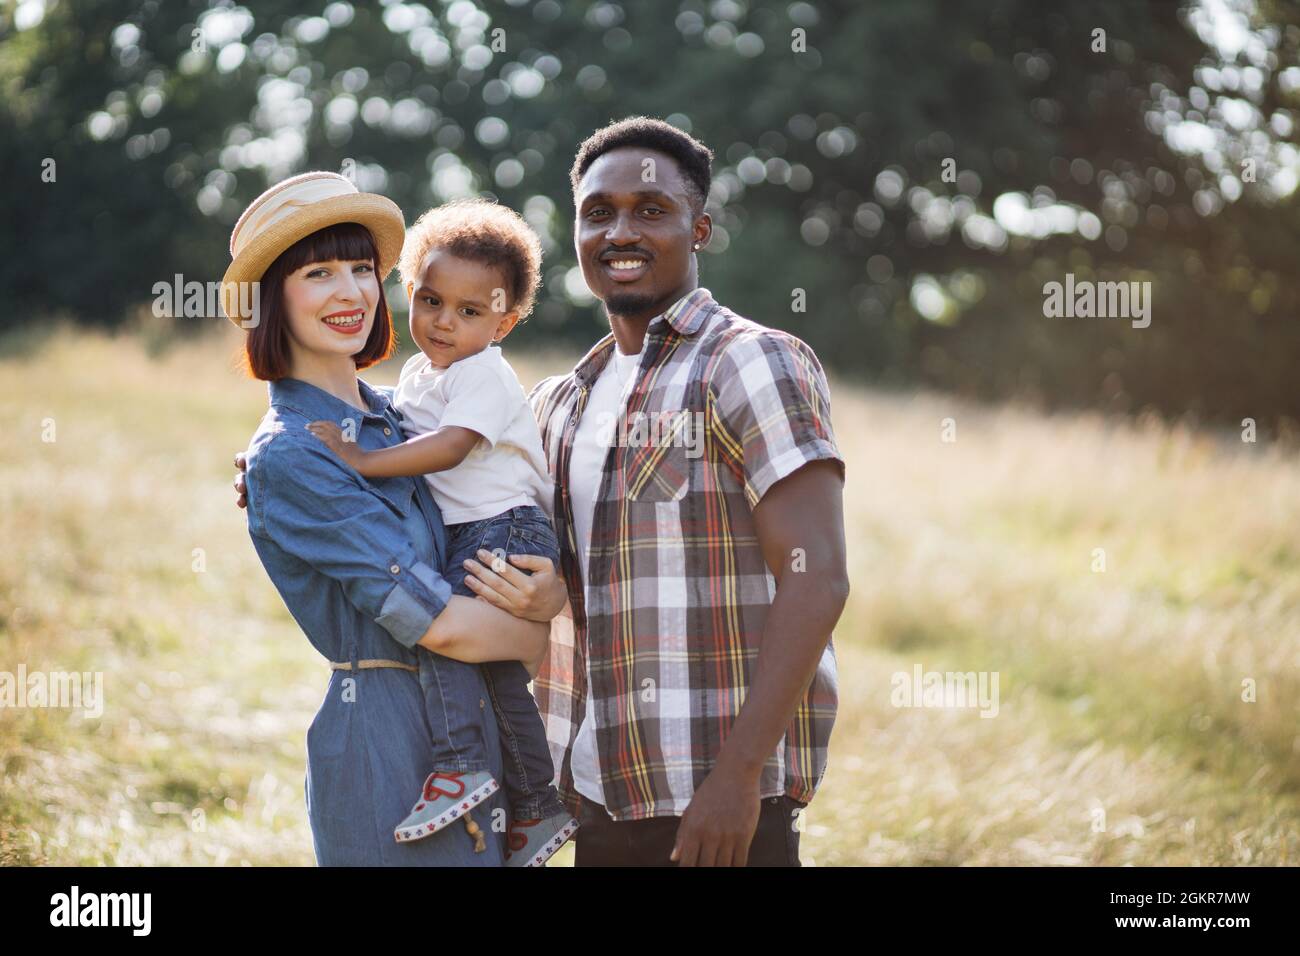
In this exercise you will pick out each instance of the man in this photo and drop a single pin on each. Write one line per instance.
(692, 681)
(689, 698)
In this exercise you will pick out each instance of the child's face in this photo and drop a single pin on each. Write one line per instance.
(459, 308)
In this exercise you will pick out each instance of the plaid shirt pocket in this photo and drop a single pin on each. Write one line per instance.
(664, 476)
(661, 472)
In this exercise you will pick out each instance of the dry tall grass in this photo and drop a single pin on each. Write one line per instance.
(1121, 734)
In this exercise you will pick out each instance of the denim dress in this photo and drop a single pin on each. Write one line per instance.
(360, 564)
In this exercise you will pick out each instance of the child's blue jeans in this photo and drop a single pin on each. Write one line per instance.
(529, 771)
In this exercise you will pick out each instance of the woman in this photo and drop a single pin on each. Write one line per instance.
(359, 563)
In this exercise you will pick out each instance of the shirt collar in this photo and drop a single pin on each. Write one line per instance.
(688, 313)
(316, 403)
(685, 317)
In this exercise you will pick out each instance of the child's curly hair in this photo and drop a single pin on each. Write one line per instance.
(480, 231)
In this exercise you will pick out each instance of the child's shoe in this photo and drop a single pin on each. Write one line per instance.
(446, 797)
(533, 842)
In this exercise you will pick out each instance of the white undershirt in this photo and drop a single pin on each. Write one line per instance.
(591, 444)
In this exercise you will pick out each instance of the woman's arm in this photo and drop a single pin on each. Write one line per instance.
(474, 631)
(312, 506)
(307, 502)
(433, 451)
(510, 621)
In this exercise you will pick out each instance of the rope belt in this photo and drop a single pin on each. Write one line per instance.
(371, 665)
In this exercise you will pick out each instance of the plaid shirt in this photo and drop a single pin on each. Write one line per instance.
(669, 617)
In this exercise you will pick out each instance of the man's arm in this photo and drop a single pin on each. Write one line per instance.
(804, 510)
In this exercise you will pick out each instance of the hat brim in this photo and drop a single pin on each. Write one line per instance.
(377, 213)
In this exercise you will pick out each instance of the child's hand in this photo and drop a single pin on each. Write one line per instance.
(332, 436)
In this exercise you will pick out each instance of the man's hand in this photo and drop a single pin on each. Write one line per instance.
(241, 487)
(803, 511)
(332, 436)
(718, 825)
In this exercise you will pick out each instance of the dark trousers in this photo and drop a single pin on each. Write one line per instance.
(526, 759)
(602, 842)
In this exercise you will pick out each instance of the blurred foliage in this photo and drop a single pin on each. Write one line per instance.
(164, 119)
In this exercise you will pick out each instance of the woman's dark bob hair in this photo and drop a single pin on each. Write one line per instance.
(266, 350)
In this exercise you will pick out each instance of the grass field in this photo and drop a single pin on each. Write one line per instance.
(1121, 736)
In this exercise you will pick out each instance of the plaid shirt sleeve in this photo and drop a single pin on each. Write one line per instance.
(771, 405)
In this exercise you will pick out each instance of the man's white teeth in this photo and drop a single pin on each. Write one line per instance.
(626, 263)
(343, 319)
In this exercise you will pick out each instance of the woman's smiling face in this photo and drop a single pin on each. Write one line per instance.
(331, 306)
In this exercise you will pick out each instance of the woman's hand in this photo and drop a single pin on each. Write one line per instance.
(538, 597)
(332, 436)
(241, 486)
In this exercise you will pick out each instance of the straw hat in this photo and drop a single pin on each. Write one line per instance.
(295, 208)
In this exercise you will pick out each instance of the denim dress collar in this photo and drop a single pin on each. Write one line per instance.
(316, 403)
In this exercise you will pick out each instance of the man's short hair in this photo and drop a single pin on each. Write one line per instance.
(483, 232)
(645, 132)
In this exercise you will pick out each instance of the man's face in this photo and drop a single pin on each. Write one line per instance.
(635, 230)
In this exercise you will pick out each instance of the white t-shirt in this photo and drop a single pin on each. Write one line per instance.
(591, 443)
(480, 392)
